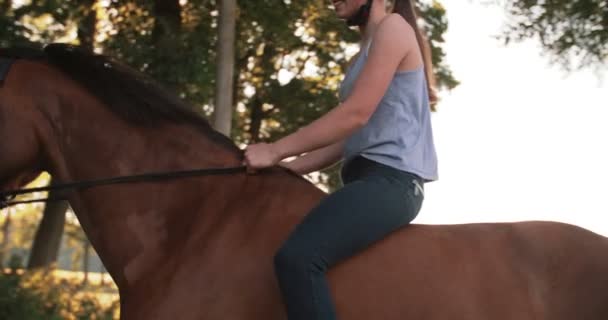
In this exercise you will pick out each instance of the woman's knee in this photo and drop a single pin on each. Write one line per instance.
(297, 259)
(288, 258)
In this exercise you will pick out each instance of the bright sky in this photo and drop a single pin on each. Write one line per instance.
(518, 139)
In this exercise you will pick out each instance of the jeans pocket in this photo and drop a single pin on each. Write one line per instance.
(418, 189)
(416, 195)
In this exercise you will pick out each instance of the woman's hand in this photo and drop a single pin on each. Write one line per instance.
(261, 155)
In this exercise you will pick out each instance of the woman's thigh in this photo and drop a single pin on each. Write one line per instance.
(353, 217)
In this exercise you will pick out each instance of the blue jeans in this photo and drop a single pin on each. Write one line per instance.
(375, 200)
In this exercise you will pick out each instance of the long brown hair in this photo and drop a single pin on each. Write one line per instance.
(406, 9)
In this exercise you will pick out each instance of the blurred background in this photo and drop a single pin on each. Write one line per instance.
(520, 130)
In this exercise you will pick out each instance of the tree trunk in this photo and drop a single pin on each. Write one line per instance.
(5, 6)
(85, 261)
(6, 228)
(87, 28)
(102, 279)
(168, 23)
(222, 114)
(47, 240)
(167, 37)
(257, 115)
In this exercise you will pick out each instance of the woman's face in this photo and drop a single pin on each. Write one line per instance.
(347, 8)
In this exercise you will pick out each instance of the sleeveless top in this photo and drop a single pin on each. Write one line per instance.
(399, 133)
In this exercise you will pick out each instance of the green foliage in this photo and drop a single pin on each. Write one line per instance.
(435, 26)
(19, 303)
(39, 295)
(573, 32)
(182, 58)
(11, 32)
(19, 223)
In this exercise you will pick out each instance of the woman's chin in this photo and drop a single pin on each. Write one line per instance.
(340, 12)
(341, 16)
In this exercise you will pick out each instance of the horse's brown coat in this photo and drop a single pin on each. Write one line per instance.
(202, 248)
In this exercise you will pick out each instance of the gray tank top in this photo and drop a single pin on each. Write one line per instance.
(399, 133)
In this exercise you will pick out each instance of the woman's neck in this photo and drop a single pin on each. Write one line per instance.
(367, 31)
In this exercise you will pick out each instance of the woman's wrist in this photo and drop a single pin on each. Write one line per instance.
(286, 164)
(279, 150)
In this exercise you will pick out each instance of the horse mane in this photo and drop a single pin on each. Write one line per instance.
(130, 94)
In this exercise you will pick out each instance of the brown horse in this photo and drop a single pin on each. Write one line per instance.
(202, 247)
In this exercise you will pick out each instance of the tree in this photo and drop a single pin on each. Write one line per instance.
(183, 60)
(572, 32)
(222, 114)
(77, 240)
(17, 225)
(47, 241)
(167, 24)
(6, 235)
(6, 5)
(11, 33)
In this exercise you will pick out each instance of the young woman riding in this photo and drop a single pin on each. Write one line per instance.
(382, 132)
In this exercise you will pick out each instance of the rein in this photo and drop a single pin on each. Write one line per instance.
(7, 196)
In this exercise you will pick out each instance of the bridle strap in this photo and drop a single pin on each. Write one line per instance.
(84, 184)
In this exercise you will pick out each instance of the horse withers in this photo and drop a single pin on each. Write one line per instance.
(203, 247)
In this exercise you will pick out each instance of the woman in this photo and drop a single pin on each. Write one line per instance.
(383, 133)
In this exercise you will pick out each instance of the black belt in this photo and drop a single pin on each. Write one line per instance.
(360, 165)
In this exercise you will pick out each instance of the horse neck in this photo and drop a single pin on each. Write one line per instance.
(127, 224)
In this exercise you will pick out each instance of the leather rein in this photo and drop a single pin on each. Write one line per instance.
(7, 196)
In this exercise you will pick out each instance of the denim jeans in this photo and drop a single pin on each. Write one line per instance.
(375, 200)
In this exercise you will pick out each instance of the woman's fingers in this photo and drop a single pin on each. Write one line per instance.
(250, 169)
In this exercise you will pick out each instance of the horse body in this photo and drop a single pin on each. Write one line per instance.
(529, 270)
(223, 268)
(477, 271)
(202, 248)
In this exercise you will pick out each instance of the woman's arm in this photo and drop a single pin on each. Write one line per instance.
(385, 55)
(317, 159)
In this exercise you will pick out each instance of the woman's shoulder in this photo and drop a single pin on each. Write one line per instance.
(396, 30)
(396, 22)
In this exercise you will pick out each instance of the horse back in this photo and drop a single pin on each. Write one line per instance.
(527, 270)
